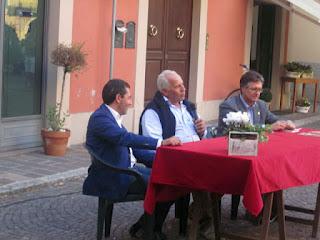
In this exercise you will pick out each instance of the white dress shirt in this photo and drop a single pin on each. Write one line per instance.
(118, 119)
(185, 128)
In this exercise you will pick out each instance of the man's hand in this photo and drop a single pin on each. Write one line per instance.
(282, 125)
(200, 126)
(172, 141)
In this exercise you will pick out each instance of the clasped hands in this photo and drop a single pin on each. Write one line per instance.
(283, 125)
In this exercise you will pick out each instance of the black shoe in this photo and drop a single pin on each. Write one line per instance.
(160, 236)
(135, 230)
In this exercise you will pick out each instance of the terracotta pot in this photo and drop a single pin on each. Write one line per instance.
(55, 142)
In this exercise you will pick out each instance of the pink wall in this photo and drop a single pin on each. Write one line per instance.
(226, 28)
(92, 26)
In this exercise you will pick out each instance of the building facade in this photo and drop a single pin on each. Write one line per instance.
(203, 40)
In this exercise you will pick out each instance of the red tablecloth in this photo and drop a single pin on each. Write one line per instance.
(286, 160)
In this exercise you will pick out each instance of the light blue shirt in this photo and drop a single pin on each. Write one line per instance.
(185, 128)
(250, 109)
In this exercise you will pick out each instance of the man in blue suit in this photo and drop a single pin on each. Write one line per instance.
(107, 137)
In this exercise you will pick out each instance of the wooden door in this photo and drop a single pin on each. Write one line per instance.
(169, 40)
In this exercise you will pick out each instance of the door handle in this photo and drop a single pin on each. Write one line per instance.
(179, 33)
(153, 30)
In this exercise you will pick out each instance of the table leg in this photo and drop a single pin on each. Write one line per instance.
(199, 199)
(315, 98)
(294, 97)
(216, 215)
(281, 218)
(266, 216)
(316, 215)
(303, 89)
(282, 92)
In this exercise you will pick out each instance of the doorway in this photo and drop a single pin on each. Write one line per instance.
(168, 41)
(262, 42)
(22, 24)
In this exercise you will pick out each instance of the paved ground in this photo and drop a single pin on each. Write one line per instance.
(59, 211)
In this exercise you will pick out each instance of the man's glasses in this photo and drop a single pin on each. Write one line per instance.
(258, 90)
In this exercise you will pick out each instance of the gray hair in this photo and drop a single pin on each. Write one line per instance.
(163, 77)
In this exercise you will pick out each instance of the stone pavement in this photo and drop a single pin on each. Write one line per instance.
(31, 167)
(60, 212)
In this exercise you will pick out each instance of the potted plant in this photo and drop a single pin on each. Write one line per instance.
(293, 69)
(266, 96)
(303, 105)
(55, 138)
(307, 71)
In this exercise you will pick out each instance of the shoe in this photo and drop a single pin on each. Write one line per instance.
(135, 230)
(160, 236)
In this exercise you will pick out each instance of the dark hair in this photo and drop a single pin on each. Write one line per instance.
(112, 88)
(250, 76)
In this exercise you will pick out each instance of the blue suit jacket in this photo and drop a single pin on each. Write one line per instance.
(110, 142)
(262, 115)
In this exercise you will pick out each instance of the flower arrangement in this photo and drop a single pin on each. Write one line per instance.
(239, 121)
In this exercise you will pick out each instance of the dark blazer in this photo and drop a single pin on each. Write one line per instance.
(110, 142)
(262, 115)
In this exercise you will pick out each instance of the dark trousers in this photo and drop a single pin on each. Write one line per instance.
(162, 208)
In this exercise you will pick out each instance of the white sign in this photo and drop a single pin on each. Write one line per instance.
(243, 143)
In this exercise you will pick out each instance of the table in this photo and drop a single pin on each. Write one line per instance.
(286, 160)
(302, 81)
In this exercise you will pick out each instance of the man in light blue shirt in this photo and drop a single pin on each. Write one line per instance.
(169, 114)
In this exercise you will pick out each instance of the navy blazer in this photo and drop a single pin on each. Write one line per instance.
(262, 115)
(111, 142)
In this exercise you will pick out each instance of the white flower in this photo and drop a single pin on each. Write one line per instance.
(236, 118)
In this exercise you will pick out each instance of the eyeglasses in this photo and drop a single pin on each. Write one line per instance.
(258, 90)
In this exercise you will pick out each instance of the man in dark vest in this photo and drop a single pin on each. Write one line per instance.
(170, 114)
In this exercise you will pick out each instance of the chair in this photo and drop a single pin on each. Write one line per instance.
(233, 93)
(105, 207)
(235, 199)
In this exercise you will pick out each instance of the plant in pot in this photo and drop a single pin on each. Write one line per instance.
(293, 69)
(303, 105)
(266, 96)
(55, 138)
(307, 71)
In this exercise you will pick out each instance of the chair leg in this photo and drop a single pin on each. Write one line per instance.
(101, 216)
(108, 219)
(235, 200)
(184, 208)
